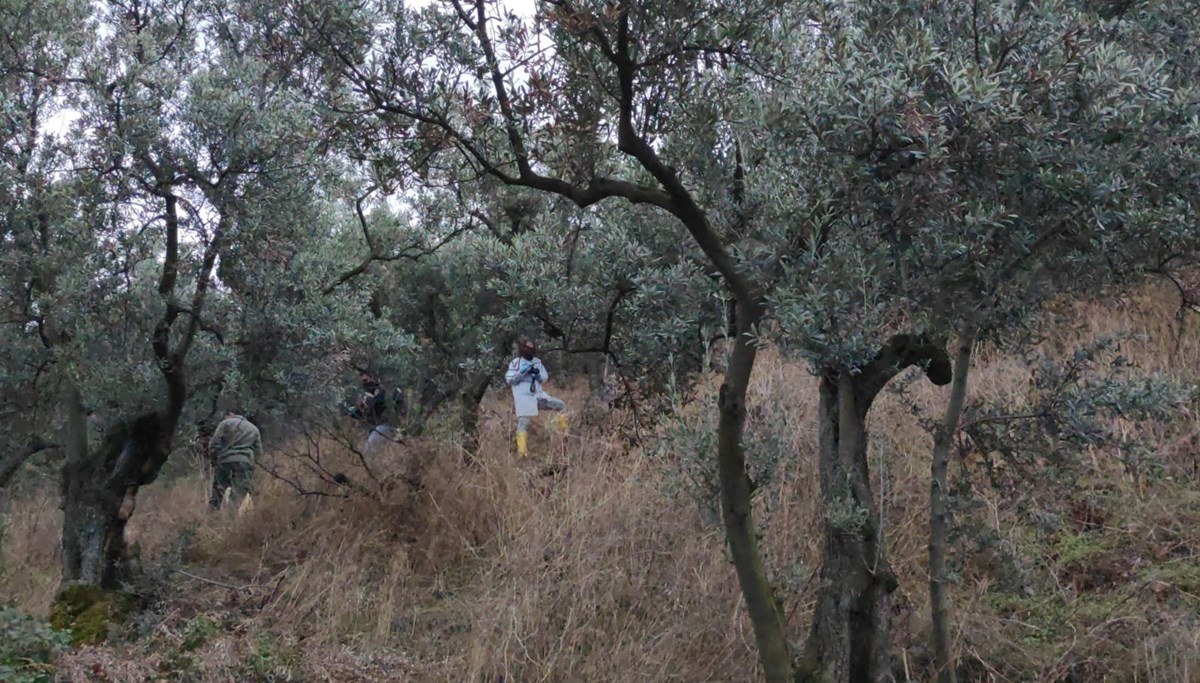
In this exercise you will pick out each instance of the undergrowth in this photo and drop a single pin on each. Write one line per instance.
(610, 565)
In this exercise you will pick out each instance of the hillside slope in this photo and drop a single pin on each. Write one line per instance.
(611, 567)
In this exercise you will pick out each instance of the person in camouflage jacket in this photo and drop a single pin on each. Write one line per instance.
(235, 446)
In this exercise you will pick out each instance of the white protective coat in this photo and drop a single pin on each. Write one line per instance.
(525, 401)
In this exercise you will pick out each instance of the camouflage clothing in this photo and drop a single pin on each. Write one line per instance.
(235, 476)
(235, 440)
(235, 446)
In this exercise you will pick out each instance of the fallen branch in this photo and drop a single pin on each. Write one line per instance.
(212, 582)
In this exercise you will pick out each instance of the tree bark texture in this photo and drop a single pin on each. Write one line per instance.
(99, 489)
(939, 515)
(736, 509)
(469, 400)
(849, 639)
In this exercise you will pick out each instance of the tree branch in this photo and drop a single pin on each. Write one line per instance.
(201, 293)
(683, 205)
(412, 252)
(13, 461)
(610, 318)
(161, 339)
(899, 353)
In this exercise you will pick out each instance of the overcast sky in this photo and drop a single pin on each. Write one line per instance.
(522, 7)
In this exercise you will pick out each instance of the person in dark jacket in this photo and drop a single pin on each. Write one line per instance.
(235, 446)
(372, 409)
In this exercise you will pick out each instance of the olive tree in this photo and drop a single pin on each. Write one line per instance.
(982, 160)
(868, 178)
(38, 56)
(589, 120)
(611, 287)
(603, 289)
(182, 148)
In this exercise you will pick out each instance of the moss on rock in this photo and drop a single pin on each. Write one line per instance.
(88, 612)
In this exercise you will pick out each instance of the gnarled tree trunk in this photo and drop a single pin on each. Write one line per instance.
(849, 638)
(100, 487)
(469, 399)
(99, 490)
(850, 627)
(94, 516)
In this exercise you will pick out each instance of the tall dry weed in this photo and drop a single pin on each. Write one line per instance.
(584, 564)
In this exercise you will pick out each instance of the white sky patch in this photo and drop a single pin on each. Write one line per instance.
(522, 8)
(199, 217)
(61, 121)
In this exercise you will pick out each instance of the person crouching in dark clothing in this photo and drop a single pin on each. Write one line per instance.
(372, 409)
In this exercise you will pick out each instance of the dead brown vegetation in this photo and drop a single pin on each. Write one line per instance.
(503, 570)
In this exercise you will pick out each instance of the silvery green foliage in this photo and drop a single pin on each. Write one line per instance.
(189, 99)
(39, 204)
(877, 167)
(684, 449)
(181, 101)
(599, 287)
(435, 296)
(28, 647)
(1083, 409)
(1088, 402)
(434, 117)
(687, 441)
(299, 341)
(976, 159)
(612, 281)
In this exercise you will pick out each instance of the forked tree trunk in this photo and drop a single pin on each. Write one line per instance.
(850, 626)
(849, 639)
(93, 533)
(939, 515)
(100, 487)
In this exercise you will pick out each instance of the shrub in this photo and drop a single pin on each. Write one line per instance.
(27, 648)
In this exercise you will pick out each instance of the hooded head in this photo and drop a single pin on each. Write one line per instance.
(528, 350)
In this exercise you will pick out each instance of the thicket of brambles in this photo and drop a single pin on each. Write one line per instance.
(872, 318)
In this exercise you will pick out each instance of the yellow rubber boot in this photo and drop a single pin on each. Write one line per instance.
(522, 445)
(562, 423)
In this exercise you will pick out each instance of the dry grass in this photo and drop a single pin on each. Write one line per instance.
(29, 571)
(498, 572)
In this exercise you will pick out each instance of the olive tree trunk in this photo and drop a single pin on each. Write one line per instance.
(469, 399)
(100, 485)
(736, 508)
(849, 639)
(850, 623)
(99, 488)
(939, 515)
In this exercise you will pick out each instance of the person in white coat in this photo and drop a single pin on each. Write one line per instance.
(527, 375)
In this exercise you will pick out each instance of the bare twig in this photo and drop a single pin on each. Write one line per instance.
(211, 581)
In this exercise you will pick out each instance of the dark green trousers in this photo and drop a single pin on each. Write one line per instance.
(232, 475)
